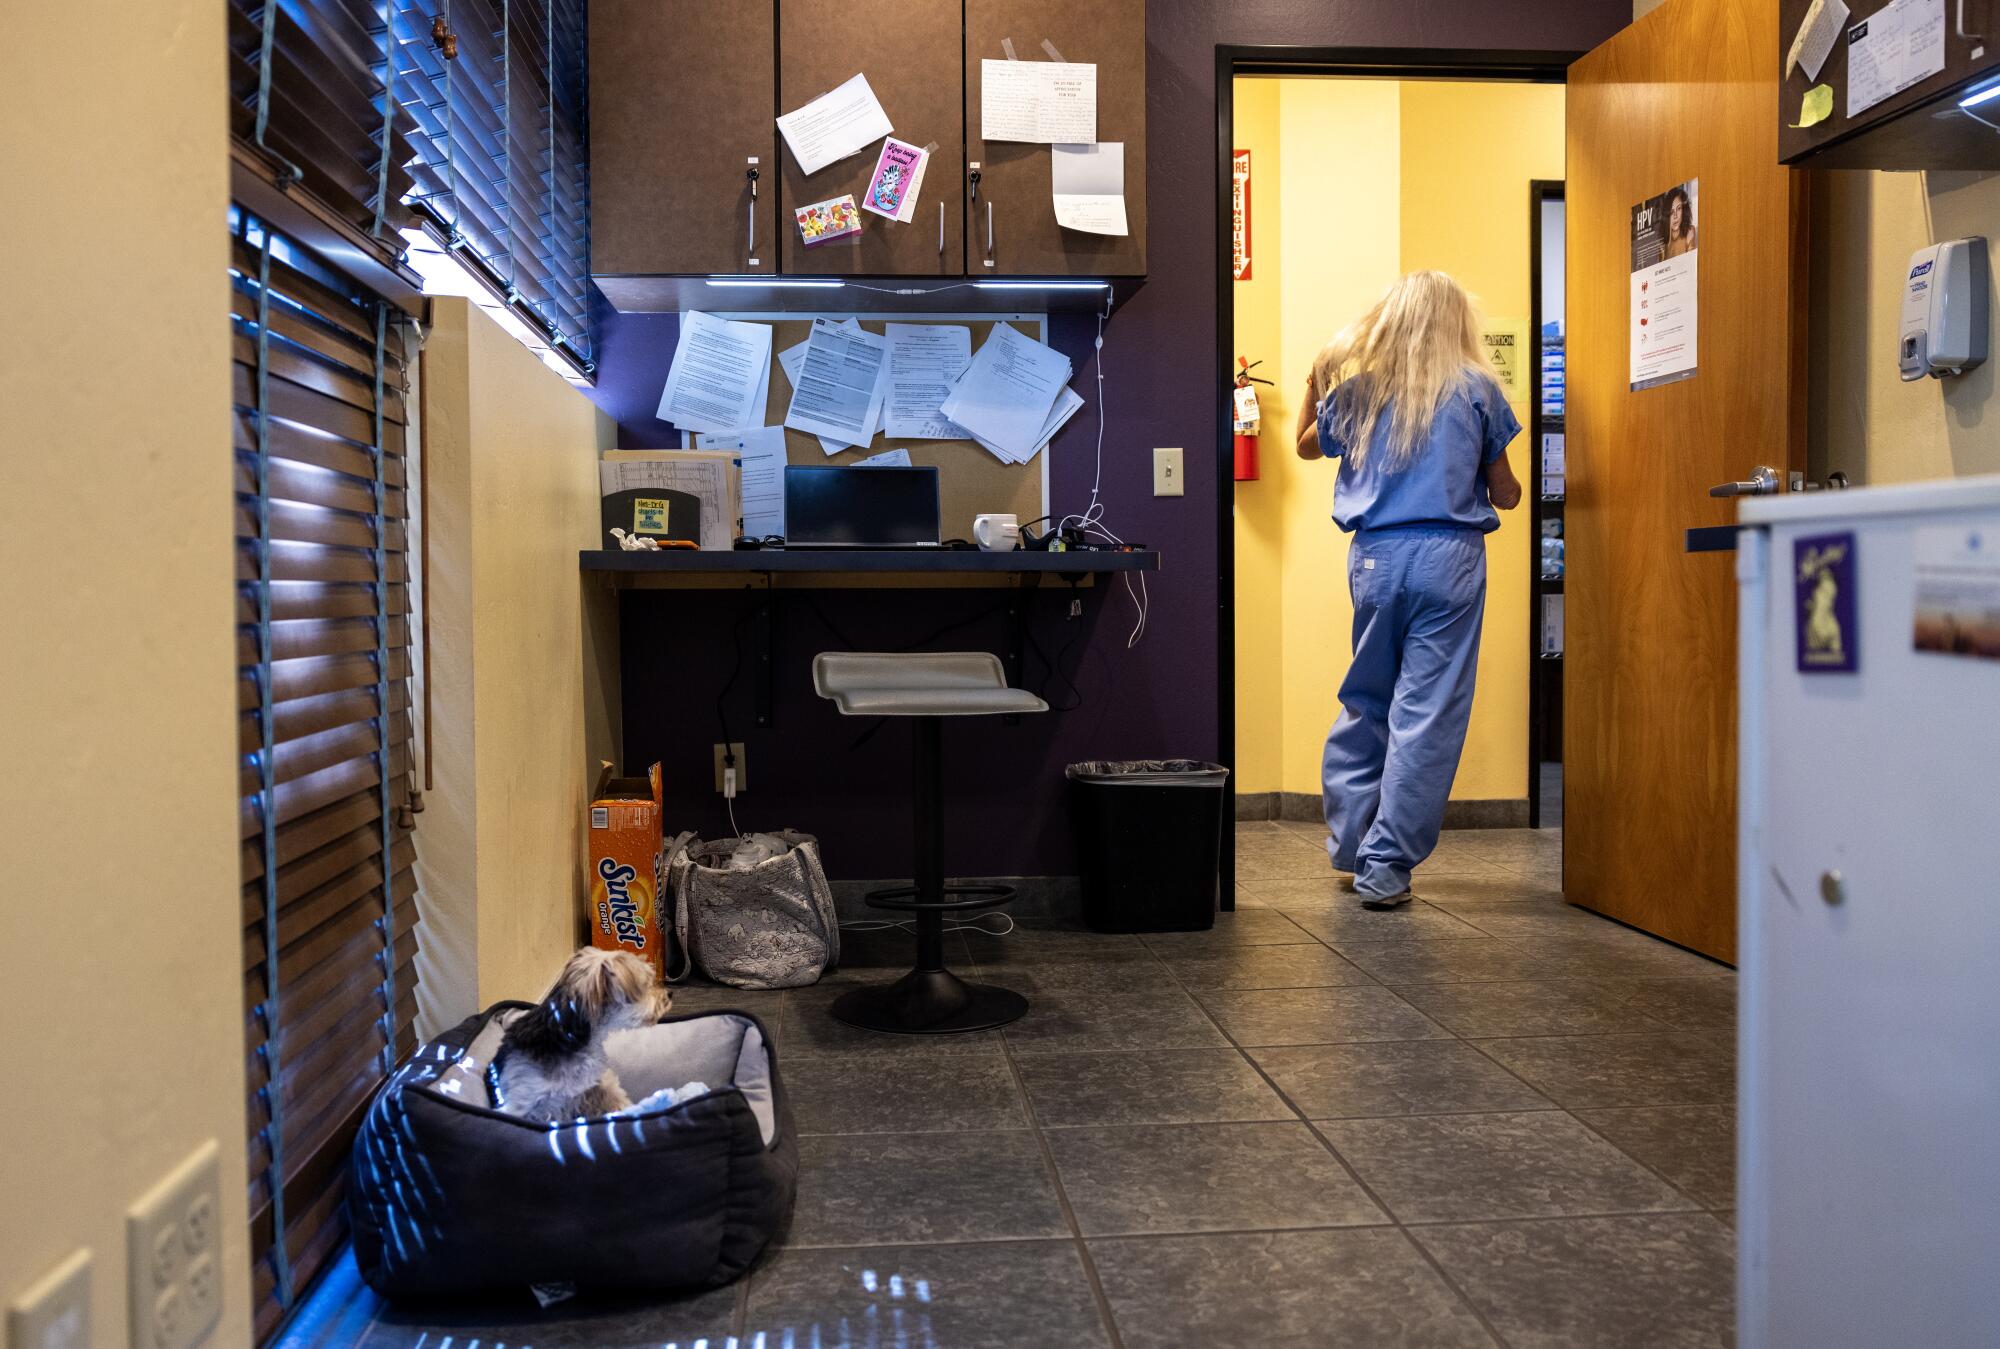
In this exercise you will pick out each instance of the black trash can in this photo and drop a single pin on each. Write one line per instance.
(1148, 842)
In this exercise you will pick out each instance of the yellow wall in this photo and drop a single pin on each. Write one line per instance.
(120, 905)
(522, 670)
(1259, 510)
(1861, 417)
(1372, 179)
(1469, 151)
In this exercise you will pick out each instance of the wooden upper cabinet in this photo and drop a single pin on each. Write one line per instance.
(910, 52)
(1012, 229)
(682, 95)
(1920, 127)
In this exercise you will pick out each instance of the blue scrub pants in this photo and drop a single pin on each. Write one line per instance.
(1419, 599)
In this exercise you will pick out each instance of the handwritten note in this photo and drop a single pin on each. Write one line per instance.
(1042, 101)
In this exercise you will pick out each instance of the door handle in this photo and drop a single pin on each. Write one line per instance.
(940, 229)
(750, 175)
(1763, 483)
(989, 231)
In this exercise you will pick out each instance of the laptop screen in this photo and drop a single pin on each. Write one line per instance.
(860, 507)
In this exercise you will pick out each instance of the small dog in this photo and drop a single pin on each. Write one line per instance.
(551, 1066)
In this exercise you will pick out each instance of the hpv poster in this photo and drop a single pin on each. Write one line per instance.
(1664, 235)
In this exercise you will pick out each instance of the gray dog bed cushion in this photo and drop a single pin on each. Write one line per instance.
(448, 1195)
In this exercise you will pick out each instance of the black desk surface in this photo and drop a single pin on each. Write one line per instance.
(687, 561)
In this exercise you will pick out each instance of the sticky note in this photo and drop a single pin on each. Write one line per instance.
(1816, 106)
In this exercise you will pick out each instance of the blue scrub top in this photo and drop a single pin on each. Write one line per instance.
(1441, 483)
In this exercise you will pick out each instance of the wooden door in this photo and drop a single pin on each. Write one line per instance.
(680, 101)
(1012, 228)
(909, 50)
(1650, 709)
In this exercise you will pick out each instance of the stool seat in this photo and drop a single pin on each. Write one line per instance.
(926, 686)
(919, 684)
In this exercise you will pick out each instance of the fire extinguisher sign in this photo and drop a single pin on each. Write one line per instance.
(1239, 210)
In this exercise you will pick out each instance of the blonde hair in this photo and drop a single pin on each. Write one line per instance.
(1404, 357)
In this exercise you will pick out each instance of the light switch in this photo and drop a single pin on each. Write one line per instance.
(1167, 473)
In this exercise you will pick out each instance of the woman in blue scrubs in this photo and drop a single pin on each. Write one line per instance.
(1403, 398)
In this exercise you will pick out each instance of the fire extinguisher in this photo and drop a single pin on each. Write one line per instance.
(1246, 417)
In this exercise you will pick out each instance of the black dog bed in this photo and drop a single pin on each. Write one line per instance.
(447, 1195)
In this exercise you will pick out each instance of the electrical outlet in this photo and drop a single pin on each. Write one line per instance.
(742, 774)
(1167, 473)
(54, 1312)
(174, 1256)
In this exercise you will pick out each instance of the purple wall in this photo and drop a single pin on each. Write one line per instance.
(1006, 812)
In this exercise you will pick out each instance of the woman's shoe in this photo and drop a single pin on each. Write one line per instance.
(1394, 901)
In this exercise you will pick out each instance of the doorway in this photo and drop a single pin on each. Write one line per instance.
(1340, 176)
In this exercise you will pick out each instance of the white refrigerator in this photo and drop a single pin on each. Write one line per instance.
(1868, 1134)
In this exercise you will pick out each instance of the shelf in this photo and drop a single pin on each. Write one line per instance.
(876, 562)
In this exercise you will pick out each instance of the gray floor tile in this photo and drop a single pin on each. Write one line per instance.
(1296, 892)
(1304, 965)
(811, 1032)
(1318, 1016)
(1614, 952)
(1344, 922)
(1693, 1146)
(1582, 1072)
(967, 1297)
(1450, 891)
(586, 1322)
(1368, 1288)
(875, 1094)
(1465, 1168)
(1473, 959)
(1654, 1282)
(1244, 927)
(920, 1188)
(1204, 1178)
(880, 957)
(1074, 1022)
(1119, 970)
(1529, 1007)
(1026, 945)
(1283, 862)
(1402, 1077)
(1685, 1004)
(1166, 1086)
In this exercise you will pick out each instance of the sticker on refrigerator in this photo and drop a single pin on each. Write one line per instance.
(1823, 582)
(1958, 590)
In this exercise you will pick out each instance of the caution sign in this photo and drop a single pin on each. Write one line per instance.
(1505, 351)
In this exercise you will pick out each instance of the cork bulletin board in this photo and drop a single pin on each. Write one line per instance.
(970, 480)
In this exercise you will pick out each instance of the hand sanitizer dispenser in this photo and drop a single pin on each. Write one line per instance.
(1944, 310)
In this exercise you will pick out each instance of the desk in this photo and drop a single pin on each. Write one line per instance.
(778, 568)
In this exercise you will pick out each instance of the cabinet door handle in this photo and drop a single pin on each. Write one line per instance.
(940, 229)
(750, 248)
(989, 231)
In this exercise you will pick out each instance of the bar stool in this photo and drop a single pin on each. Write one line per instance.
(929, 686)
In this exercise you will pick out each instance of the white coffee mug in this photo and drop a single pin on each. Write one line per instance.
(996, 533)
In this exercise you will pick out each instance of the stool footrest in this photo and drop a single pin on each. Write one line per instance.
(905, 897)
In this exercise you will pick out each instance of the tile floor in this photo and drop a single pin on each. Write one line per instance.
(1489, 1118)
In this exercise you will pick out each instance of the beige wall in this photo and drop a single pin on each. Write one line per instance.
(120, 908)
(522, 664)
(1367, 180)
(1861, 418)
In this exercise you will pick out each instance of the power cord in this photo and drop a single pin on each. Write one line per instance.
(1091, 518)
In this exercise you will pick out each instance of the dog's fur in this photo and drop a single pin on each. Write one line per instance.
(551, 1065)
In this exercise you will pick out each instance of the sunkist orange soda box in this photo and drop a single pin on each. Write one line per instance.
(627, 865)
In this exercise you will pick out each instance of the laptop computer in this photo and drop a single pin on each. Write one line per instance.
(834, 506)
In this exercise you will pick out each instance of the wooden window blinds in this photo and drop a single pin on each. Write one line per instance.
(323, 657)
(498, 91)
